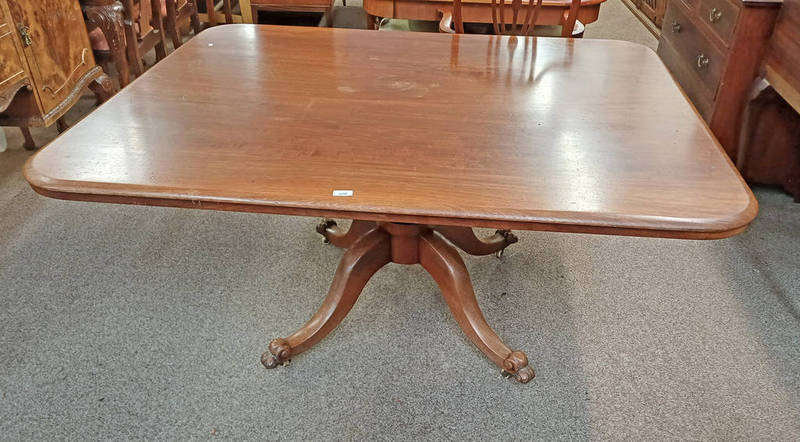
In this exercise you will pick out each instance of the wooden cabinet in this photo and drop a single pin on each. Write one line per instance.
(13, 73)
(769, 151)
(46, 61)
(653, 9)
(714, 49)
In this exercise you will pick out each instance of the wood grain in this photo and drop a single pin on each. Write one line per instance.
(437, 129)
(783, 57)
(59, 47)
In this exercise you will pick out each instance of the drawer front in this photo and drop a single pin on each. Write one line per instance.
(688, 79)
(693, 47)
(11, 71)
(721, 16)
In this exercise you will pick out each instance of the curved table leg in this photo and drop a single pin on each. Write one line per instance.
(366, 256)
(446, 266)
(465, 239)
(340, 238)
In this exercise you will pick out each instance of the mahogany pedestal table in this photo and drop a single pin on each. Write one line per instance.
(418, 137)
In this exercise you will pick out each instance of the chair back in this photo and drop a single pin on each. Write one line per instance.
(515, 17)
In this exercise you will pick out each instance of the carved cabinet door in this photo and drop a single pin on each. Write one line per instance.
(56, 44)
(12, 67)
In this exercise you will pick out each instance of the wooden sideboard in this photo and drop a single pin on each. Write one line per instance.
(769, 149)
(13, 71)
(653, 9)
(46, 62)
(714, 49)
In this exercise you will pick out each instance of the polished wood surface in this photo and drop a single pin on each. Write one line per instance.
(46, 64)
(769, 151)
(476, 11)
(59, 47)
(769, 148)
(715, 48)
(783, 57)
(13, 69)
(323, 6)
(653, 10)
(393, 117)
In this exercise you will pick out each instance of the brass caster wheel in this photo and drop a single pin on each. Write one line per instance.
(322, 228)
(278, 353)
(499, 253)
(523, 376)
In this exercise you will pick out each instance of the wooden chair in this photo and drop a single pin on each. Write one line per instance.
(143, 22)
(522, 20)
(226, 7)
(177, 14)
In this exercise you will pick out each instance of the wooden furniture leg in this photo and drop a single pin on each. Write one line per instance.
(29, 143)
(246, 10)
(372, 22)
(226, 8)
(195, 21)
(103, 88)
(367, 255)
(446, 266)
(465, 239)
(61, 125)
(373, 246)
(334, 234)
(158, 24)
(171, 24)
(107, 15)
(132, 50)
(211, 13)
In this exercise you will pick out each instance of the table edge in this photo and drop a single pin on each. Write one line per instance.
(561, 221)
(723, 228)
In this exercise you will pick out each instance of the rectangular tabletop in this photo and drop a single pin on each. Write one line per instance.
(472, 130)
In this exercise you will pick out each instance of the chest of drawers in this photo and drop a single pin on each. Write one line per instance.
(714, 49)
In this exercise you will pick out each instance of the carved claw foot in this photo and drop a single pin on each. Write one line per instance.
(509, 238)
(323, 226)
(516, 364)
(278, 354)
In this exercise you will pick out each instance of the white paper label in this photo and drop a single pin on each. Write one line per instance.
(342, 193)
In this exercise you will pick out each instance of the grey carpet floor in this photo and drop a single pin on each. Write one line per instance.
(121, 322)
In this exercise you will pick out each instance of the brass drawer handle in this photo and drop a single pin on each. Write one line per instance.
(702, 61)
(23, 32)
(714, 15)
(676, 27)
